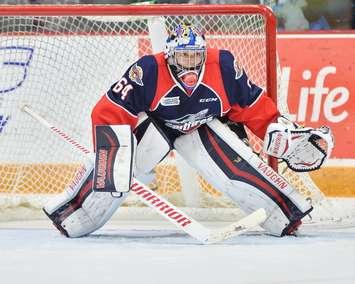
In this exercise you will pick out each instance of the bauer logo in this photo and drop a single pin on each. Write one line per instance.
(14, 63)
(3, 121)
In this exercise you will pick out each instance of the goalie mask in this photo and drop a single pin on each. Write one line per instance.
(185, 52)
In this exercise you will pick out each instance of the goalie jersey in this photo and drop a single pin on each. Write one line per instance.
(223, 89)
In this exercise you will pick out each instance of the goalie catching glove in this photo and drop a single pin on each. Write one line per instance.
(303, 149)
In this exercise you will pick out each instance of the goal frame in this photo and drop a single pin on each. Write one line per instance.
(271, 67)
(167, 10)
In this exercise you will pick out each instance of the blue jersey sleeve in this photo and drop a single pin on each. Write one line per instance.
(135, 90)
(240, 90)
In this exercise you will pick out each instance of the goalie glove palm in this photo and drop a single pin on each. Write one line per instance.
(303, 149)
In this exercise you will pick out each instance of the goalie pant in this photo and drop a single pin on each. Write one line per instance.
(217, 154)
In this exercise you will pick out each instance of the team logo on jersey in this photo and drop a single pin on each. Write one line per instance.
(189, 122)
(170, 101)
(238, 69)
(136, 74)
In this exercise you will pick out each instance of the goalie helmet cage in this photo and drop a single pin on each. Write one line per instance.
(60, 59)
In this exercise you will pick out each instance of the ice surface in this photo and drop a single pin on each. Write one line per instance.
(155, 254)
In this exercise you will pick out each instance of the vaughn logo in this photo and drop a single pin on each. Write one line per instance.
(272, 175)
(78, 178)
(189, 122)
(101, 169)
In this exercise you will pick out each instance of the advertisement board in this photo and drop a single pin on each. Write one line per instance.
(317, 76)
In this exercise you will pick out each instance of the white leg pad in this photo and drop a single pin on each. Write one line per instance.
(79, 210)
(115, 146)
(95, 211)
(231, 167)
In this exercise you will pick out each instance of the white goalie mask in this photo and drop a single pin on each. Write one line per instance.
(185, 52)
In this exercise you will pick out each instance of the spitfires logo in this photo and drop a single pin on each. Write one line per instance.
(136, 74)
(189, 122)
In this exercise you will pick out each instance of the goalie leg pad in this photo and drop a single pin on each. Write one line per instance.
(231, 167)
(115, 147)
(79, 210)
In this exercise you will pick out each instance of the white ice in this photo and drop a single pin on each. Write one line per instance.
(157, 254)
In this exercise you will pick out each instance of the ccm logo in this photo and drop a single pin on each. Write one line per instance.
(207, 100)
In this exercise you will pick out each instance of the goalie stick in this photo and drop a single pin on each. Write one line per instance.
(162, 206)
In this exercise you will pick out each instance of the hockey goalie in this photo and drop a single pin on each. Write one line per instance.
(197, 101)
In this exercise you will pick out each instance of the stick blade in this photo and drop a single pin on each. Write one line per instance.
(243, 225)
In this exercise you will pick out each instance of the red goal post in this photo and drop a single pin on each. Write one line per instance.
(61, 59)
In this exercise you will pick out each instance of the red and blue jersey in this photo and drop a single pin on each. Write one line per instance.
(223, 89)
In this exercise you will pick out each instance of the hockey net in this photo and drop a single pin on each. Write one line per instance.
(60, 59)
